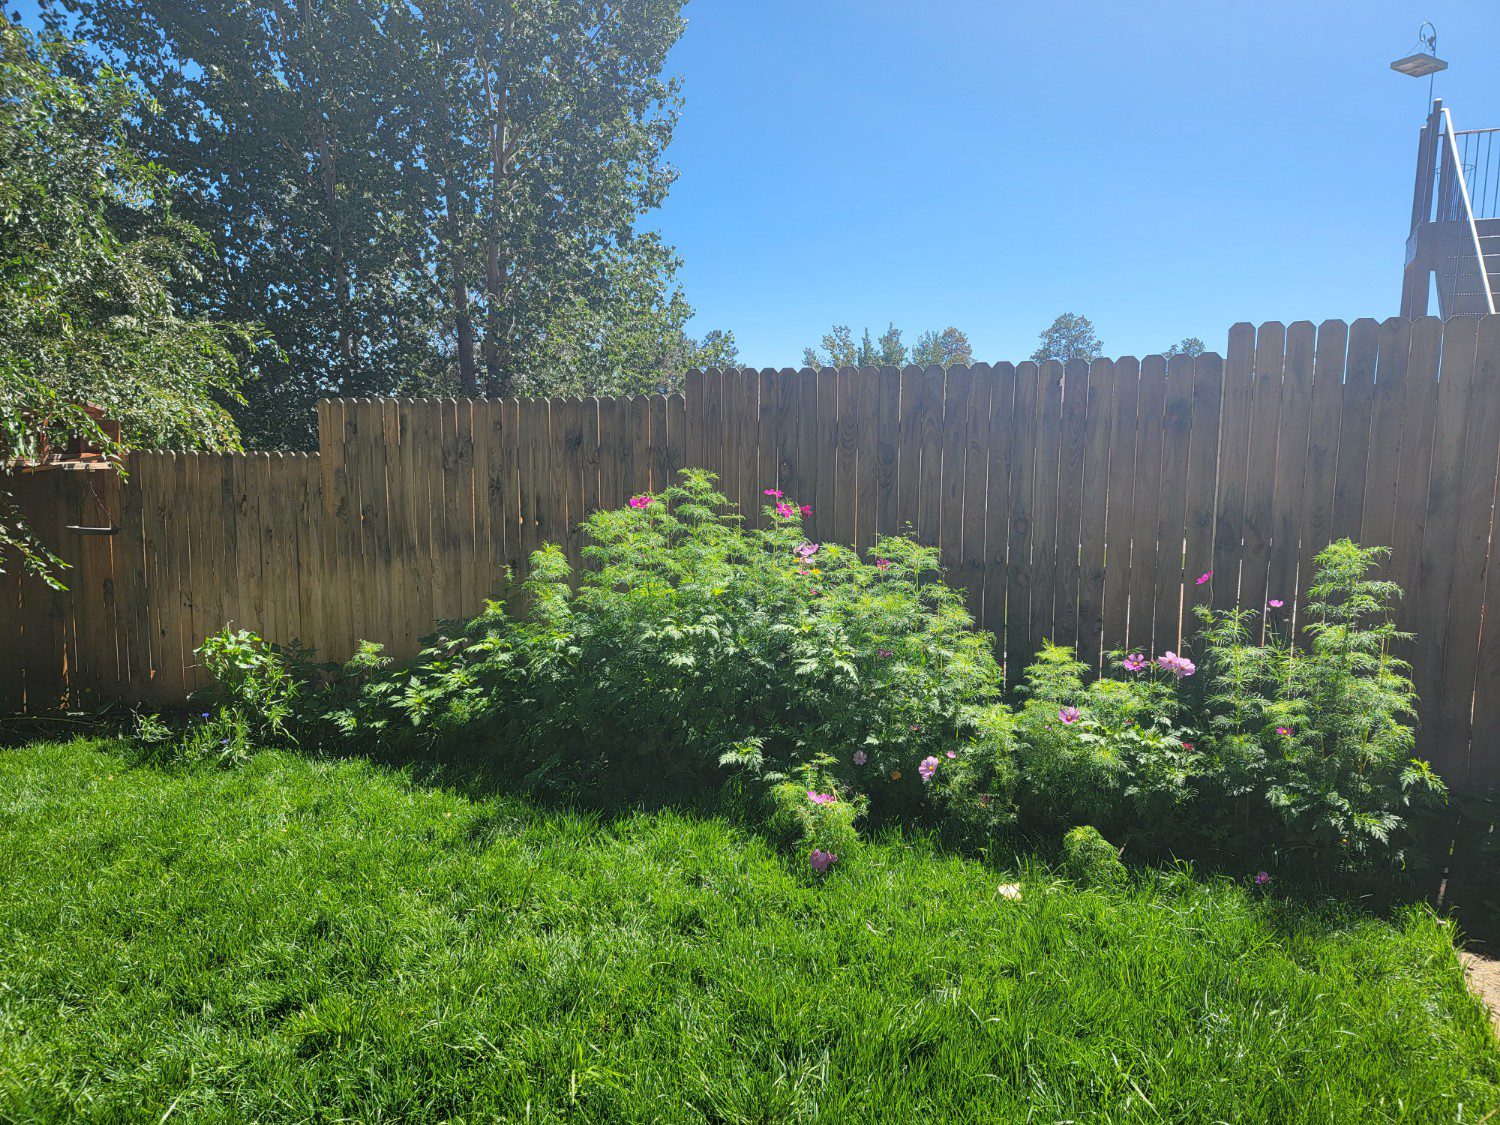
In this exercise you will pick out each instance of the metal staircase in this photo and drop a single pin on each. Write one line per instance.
(1455, 221)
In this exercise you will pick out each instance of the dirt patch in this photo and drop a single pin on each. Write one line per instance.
(1484, 978)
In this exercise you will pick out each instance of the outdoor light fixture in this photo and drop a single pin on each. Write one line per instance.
(1419, 66)
(1425, 61)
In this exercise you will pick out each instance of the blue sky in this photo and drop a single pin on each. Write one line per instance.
(1165, 169)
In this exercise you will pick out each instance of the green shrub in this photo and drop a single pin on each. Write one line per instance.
(695, 650)
(261, 685)
(1115, 751)
(1089, 860)
(1312, 746)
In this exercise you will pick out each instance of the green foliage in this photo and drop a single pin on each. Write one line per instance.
(91, 252)
(1188, 346)
(305, 940)
(259, 685)
(1089, 860)
(944, 349)
(1320, 739)
(419, 198)
(1112, 751)
(1070, 336)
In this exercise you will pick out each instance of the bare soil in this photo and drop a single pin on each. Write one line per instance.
(1484, 979)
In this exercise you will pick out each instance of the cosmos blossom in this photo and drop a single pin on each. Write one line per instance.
(1179, 666)
(821, 860)
(1069, 715)
(642, 501)
(928, 768)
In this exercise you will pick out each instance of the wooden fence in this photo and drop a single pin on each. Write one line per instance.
(1079, 504)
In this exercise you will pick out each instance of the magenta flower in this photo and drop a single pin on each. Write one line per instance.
(1262, 878)
(1070, 715)
(784, 509)
(1135, 662)
(807, 550)
(806, 509)
(884, 653)
(776, 492)
(927, 768)
(1187, 745)
(882, 564)
(821, 861)
(860, 758)
(642, 500)
(1179, 666)
(1276, 603)
(820, 798)
(1204, 577)
(1285, 732)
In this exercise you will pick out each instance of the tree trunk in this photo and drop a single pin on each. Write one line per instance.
(463, 321)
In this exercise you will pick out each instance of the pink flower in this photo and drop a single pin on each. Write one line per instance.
(821, 861)
(927, 768)
(642, 500)
(1135, 662)
(1070, 715)
(820, 798)
(1205, 576)
(1275, 603)
(1179, 666)
(806, 509)
(1262, 878)
(884, 653)
(784, 509)
(882, 564)
(1187, 745)
(803, 571)
(776, 492)
(860, 758)
(807, 550)
(952, 753)
(1285, 732)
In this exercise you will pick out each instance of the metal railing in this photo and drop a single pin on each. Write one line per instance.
(1478, 155)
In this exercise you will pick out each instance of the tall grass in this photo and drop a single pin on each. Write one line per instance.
(302, 940)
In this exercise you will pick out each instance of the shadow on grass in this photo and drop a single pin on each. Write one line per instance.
(1457, 871)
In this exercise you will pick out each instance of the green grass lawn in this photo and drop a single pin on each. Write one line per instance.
(302, 940)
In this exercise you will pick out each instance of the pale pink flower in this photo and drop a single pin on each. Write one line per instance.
(1276, 603)
(821, 861)
(807, 550)
(1179, 666)
(952, 753)
(860, 758)
(927, 768)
